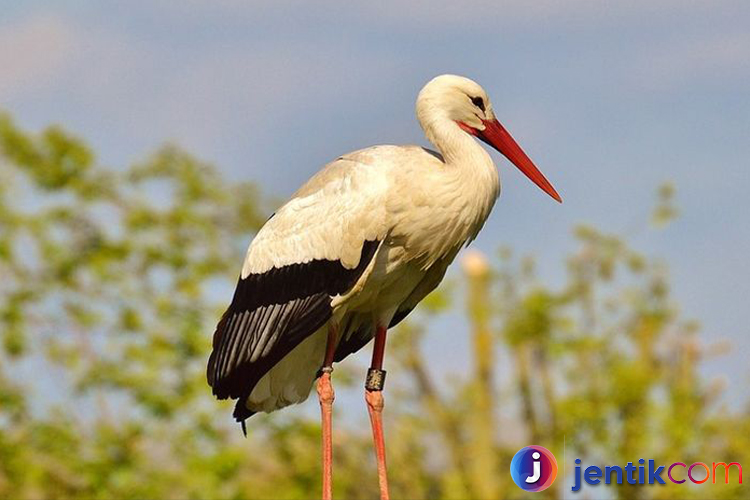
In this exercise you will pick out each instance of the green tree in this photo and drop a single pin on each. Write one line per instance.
(112, 281)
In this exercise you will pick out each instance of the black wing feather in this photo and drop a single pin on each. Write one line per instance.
(270, 314)
(354, 342)
(400, 315)
(363, 335)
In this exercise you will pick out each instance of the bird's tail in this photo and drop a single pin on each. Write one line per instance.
(241, 413)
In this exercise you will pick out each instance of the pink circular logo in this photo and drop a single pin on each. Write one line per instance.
(533, 468)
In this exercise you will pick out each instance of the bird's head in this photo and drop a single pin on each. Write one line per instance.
(463, 103)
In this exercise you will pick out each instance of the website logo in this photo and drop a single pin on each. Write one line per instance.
(652, 473)
(533, 468)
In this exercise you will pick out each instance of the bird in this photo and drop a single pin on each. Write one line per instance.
(352, 253)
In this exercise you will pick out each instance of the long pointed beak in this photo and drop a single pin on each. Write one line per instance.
(496, 136)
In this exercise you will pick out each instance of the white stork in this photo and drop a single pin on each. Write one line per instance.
(353, 252)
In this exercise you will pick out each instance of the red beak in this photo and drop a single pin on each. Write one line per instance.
(496, 136)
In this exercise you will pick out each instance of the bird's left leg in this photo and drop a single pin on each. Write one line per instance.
(326, 397)
(374, 397)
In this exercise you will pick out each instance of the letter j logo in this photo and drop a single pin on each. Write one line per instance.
(533, 468)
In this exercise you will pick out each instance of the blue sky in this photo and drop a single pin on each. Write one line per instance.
(609, 98)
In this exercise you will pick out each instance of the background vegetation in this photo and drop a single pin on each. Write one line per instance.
(111, 281)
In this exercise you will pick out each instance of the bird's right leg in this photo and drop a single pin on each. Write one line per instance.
(374, 397)
(326, 397)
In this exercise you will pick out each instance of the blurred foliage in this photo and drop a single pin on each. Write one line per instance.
(112, 281)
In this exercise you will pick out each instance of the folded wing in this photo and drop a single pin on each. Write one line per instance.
(314, 248)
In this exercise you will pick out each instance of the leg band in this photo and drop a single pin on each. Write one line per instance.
(375, 379)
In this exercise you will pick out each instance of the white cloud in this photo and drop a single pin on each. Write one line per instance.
(148, 89)
(33, 53)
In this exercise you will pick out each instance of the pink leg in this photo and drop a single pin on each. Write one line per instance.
(374, 397)
(326, 397)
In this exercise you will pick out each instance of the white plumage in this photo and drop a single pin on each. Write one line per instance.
(415, 207)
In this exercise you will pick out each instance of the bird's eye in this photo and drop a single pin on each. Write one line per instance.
(478, 102)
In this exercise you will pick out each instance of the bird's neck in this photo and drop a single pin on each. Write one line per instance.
(469, 176)
(463, 156)
(457, 147)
